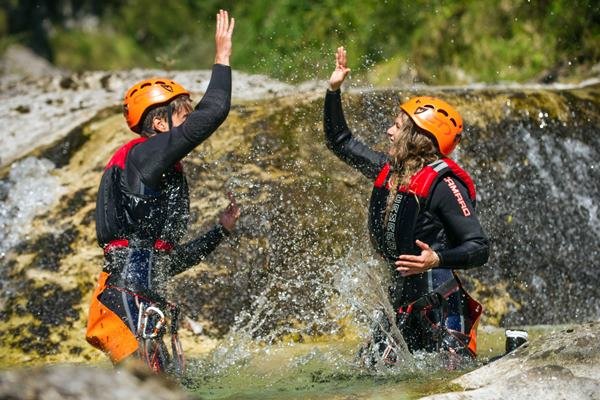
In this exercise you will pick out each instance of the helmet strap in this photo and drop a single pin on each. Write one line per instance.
(170, 116)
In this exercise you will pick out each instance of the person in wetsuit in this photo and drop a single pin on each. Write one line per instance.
(142, 210)
(422, 217)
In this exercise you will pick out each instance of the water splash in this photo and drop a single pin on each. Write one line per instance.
(280, 362)
(28, 191)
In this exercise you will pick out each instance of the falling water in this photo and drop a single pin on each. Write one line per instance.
(29, 190)
(539, 186)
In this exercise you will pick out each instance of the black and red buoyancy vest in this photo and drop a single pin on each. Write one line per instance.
(130, 210)
(395, 236)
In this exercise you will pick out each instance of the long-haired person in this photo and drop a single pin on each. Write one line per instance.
(422, 218)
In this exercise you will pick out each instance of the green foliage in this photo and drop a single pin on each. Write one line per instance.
(3, 30)
(89, 50)
(3, 23)
(432, 41)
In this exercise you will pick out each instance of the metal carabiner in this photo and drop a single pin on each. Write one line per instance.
(158, 325)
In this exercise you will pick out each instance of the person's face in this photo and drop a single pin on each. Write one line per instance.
(393, 131)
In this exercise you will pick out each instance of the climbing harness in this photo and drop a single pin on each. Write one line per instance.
(151, 328)
(443, 337)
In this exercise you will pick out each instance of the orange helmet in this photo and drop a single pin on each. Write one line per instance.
(438, 118)
(146, 94)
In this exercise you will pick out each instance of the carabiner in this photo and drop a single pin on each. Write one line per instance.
(158, 325)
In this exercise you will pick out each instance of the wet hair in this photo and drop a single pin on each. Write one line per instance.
(177, 105)
(412, 150)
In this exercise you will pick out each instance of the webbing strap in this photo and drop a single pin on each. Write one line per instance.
(119, 243)
(434, 297)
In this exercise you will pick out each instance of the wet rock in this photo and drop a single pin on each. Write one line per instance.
(59, 103)
(52, 305)
(79, 382)
(23, 109)
(562, 365)
(50, 248)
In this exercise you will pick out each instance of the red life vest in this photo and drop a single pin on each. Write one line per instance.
(122, 215)
(395, 236)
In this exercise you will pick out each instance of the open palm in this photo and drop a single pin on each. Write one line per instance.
(341, 69)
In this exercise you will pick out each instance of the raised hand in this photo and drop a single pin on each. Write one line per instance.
(223, 34)
(341, 69)
(229, 217)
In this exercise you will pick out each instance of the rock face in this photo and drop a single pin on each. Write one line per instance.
(43, 105)
(562, 365)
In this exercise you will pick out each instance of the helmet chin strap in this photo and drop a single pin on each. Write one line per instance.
(170, 116)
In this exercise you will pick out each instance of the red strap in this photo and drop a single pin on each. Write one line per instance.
(382, 176)
(421, 182)
(158, 245)
(463, 176)
(115, 244)
(118, 159)
(162, 245)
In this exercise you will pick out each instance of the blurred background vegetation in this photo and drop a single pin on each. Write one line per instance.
(393, 41)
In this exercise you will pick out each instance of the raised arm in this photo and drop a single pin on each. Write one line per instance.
(153, 157)
(338, 136)
(341, 71)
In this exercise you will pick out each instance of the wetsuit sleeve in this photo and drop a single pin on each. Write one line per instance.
(340, 141)
(191, 253)
(153, 157)
(469, 245)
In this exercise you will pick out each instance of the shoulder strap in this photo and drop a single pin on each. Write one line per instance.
(383, 174)
(463, 176)
(118, 159)
(423, 181)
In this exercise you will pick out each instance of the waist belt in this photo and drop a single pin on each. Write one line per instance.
(116, 281)
(120, 243)
(436, 297)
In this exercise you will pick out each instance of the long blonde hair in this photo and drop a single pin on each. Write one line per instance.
(412, 150)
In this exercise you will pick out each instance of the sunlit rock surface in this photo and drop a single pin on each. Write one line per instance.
(561, 365)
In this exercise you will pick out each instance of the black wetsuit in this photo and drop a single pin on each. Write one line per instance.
(457, 238)
(142, 209)
(147, 200)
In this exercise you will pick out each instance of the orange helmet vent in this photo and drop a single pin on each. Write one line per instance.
(438, 118)
(146, 94)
